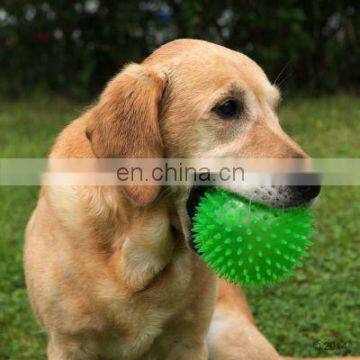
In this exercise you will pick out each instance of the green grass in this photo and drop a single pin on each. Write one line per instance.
(320, 303)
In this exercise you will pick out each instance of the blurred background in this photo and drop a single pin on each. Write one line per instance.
(75, 46)
(55, 57)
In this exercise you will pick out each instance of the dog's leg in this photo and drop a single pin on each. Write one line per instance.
(185, 335)
(54, 352)
(180, 346)
(233, 334)
(189, 352)
(60, 348)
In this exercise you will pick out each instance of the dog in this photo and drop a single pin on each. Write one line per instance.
(109, 269)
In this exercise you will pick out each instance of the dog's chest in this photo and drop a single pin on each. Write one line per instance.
(151, 313)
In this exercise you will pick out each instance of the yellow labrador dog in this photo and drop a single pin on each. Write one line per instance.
(109, 270)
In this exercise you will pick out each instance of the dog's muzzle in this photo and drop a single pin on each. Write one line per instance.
(277, 196)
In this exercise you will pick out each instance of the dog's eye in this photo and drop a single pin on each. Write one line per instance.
(229, 109)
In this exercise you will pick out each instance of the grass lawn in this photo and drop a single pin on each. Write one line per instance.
(321, 303)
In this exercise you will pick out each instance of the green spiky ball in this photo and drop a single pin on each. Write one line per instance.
(249, 243)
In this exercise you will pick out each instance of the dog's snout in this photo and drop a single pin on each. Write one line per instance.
(311, 190)
(307, 193)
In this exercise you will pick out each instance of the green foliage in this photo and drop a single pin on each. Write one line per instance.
(76, 46)
(320, 303)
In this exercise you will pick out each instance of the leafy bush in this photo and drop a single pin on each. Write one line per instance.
(77, 45)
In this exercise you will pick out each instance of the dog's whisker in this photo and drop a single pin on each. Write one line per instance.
(289, 75)
(281, 72)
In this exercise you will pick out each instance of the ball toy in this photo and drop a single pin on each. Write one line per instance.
(249, 243)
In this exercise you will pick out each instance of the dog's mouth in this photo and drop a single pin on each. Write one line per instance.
(196, 193)
(275, 196)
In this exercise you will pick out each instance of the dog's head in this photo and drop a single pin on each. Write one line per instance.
(194, 99)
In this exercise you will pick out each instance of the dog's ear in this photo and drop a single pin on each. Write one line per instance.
(124, 123)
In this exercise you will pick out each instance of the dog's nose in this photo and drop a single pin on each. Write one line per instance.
(308, 193)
